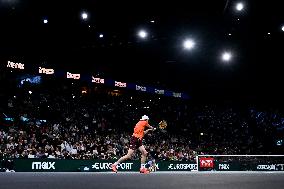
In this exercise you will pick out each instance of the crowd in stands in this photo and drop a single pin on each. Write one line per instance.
(62, 120)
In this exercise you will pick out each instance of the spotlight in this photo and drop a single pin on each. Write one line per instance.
(227, 56)
(143, 34)
(239, 6)
(84, 16)
(188, 44)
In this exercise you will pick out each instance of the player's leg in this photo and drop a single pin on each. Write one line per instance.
(123, 158)
(143, 159)
(127, 156)
(143, 154)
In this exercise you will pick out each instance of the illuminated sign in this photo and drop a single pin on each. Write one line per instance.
(206, 162)
(119, 84)
(182, 166)
(178, 95)
(73, 76)
(45, 70)
(15, 65)
(31, 79)
(157, 91)
(140, 88)
(97, 80)
(43, 165)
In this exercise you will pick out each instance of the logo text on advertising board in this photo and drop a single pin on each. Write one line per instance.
(73, 76)
(158, 91)
(206, 162)
(98, 80)
(178, 95)
(45, 70)
(141, 88)
(224, 166)
(15, 65)
(43, 165)
(157, 166)
(275, 167)
(182, 166)
(119, 84)
(106, 166)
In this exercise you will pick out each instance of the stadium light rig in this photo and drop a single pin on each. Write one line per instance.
(45, 21)
(226, 56)
(84, 16)
(188, 44)
(239, 6)
(142, 34)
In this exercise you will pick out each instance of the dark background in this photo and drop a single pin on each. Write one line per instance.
(67, 42)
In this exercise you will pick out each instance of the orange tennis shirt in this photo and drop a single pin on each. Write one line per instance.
(139, 129)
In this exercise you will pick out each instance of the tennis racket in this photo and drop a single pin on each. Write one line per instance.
(162, 126)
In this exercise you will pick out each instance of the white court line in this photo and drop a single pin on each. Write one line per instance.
(166, 172)
(156, 173)
(196, 173)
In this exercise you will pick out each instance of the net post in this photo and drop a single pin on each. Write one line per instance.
(197, 162)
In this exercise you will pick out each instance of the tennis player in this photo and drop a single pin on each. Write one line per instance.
(136, 143)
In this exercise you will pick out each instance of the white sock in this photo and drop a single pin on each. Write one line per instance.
(143, 165)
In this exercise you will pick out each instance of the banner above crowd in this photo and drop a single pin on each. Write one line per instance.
(98, 80)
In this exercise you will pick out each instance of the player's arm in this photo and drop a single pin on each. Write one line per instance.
(146, 131)
(151, 127)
